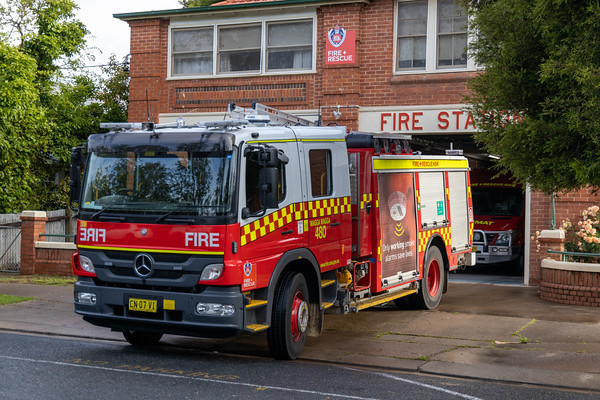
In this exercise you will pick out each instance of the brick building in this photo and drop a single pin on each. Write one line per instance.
(373, 65)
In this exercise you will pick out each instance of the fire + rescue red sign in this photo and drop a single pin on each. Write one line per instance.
(340, 46)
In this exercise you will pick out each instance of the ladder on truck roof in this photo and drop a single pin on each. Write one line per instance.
(274, 115)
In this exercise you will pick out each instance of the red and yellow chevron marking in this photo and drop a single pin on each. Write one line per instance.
(366, 198)
(425, 235)
(326, 207)
(294, 212)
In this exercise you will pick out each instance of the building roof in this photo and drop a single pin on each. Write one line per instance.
(226, 5)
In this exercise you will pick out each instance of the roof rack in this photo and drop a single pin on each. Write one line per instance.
(274, 115)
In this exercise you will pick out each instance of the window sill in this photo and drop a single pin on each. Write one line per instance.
(408, 78)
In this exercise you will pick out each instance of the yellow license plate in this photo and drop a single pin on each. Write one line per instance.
(142, 305)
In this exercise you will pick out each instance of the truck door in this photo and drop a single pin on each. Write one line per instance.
(328, 222)
(363, 203)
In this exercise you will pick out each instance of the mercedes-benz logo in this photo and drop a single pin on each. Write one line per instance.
(142, 265)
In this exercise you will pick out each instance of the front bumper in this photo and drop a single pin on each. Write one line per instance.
(175, 312)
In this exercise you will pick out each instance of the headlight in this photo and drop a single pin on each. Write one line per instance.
(477, 237)
(503, 239)
(211, 272)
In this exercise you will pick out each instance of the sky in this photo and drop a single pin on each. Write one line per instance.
(109, 35)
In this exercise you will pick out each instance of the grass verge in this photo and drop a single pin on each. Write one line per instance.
(38, 279)
(8, 299)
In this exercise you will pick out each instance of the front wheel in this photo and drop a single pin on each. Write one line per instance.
(432, 283)
(289, 319)
(141, 338)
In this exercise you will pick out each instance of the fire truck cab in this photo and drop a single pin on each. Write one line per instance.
(241, 226)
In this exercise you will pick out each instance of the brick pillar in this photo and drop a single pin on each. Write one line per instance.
(32, 224)
(551, 240)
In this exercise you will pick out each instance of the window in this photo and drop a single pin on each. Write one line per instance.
(431, 35)
(192, 51)
(452, 35)
(253, 167)
(289, 45)
(260, 47)
(239, 48)
(412, 34)
(320, 173)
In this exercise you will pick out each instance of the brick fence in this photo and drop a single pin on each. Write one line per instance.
(562, 282)
(39, 256)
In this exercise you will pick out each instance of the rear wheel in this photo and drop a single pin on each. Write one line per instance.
(141, 338)
(289, 319)
(432, 283)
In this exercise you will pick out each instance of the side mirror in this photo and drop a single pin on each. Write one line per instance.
(75, 176)
(268, 179)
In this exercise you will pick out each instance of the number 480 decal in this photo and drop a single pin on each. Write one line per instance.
(321, 232)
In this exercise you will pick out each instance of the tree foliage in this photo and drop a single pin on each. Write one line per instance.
(536, 104)
(197, 3)
(44, 112)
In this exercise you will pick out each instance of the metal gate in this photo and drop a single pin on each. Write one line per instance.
(10, 248)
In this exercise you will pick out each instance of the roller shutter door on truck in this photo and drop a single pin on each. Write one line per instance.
(433, 199)
(459, 234)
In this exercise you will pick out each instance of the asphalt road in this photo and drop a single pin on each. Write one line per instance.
(49, 367)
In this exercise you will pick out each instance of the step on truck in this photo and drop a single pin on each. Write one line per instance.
(262, 223)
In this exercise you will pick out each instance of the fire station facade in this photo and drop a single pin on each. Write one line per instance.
(374, 65)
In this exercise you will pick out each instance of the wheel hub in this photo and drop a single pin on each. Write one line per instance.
(299, 318)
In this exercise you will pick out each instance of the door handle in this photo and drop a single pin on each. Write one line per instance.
(287, 232)
(334, 224)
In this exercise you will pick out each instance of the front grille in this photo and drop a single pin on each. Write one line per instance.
(158, 257)
(156, 274)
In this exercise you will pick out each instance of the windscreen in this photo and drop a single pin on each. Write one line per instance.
(497, 201)
(190, 183)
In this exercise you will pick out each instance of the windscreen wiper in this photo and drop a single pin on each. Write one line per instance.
(164, 216)
(107, 208)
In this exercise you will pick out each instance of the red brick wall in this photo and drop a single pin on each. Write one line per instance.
(567, 205)
(369, 82)
(54, 262)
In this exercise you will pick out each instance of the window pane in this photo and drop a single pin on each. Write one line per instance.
(192, 40)
(452, 38)
(289, 45)
(193, 63)
(320, 172)
(239, 37)
(290, 59)
(290, 34)
(412, 28)
(240, 61)
(239, 48)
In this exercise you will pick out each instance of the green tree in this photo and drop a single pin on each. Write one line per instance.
(197, 3)
(44, 112)
(23, 123)
(542, 65)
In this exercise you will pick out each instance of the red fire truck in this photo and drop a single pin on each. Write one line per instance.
(499, 232)
(243, 225)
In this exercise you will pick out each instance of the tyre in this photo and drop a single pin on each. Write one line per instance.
(289, 319)
(432, 283)
(141, 338)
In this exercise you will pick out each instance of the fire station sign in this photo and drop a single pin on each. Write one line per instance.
(340, 46)
(415, 120)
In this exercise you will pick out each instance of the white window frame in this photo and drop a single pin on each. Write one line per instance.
(216, 24)
(431, 45)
